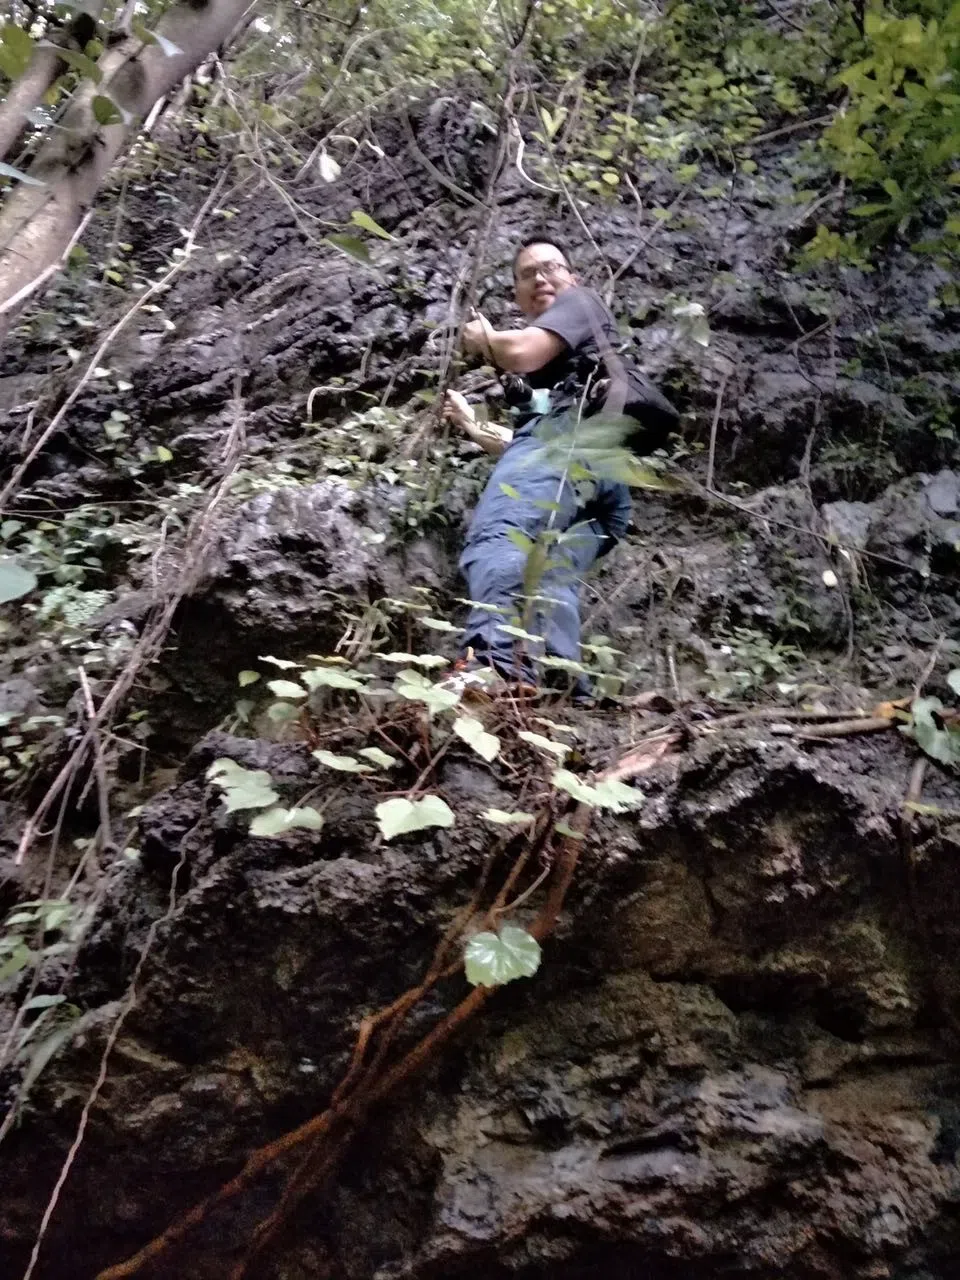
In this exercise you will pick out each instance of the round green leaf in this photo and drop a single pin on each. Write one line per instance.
(105, 110)
(15, 580)
(491, 959)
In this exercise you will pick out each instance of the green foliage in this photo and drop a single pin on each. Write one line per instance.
(399, 816)
(486, 745)
(508, 818)
(330, 678)
(939, 741)
(25, 939)
(286, 689)
(748, 659)
(609, 794)
(492, 959)
(417, 688)
(277, 822)
(898, 138)
(559, 750)
(343, 764)
(15, 580)
(242, 788)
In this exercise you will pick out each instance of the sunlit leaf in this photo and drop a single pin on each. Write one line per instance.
(518, 632)
(438, 624)
(378, 757)
(283, 712)
(471, 730)
(559, 749)
(492, 959)
(396, 817)
(286, 689)
(363, 220)
(561, 664)
(480, 604)
(953, 680)
(8, 171)
(329, 169)
(938, 743)
(18, 959)
(345, 764)
(329, 678)
(242, 788)
(352, 246)
(277, 822)
(416, 688)
(15, 580)
(426, 660)
(247, 677)
(611, 794)
(283, 663)
(508, 818)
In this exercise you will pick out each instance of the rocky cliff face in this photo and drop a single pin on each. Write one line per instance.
(739, 1056)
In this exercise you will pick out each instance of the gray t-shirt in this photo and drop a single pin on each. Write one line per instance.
(585, 325)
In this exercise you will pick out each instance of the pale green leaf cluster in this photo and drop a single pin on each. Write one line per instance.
(242, 788)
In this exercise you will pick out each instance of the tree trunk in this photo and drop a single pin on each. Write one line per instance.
(37, 223)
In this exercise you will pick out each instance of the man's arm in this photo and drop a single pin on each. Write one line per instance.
(491, 437)
(515, 350)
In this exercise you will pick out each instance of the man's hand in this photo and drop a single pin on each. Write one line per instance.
(490, 437)
(457, 409)
(478, 335)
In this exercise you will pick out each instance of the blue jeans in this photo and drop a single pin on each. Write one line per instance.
(538, 497)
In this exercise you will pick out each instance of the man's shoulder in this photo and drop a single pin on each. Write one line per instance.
(582, 295)
(579, 316)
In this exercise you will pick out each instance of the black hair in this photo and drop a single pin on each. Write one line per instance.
(544, 239)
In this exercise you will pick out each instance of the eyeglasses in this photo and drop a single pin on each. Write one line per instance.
(549, 270)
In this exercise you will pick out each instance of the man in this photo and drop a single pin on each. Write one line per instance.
(543, 518)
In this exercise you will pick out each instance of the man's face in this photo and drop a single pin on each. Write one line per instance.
(540, 276)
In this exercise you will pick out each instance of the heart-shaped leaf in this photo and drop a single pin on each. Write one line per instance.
(401, 815)
(471, 730)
